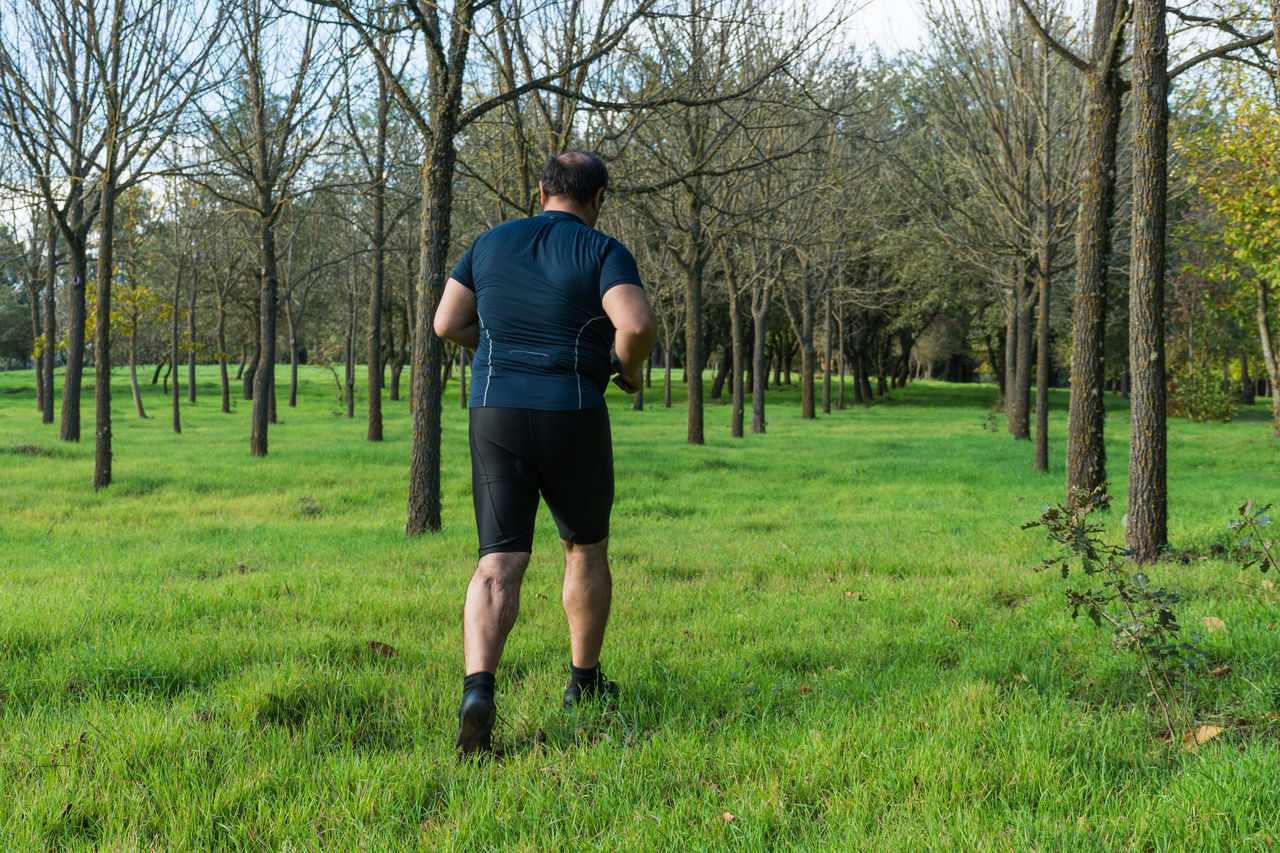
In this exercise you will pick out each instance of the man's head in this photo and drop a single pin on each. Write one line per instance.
(575, 179)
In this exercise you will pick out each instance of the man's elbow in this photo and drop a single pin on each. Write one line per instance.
(447, 328)
(643, 327)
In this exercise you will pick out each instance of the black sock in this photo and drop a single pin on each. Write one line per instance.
(586, 677)
(478, 681)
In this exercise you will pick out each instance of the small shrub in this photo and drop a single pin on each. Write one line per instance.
(1140, 614)
(1202, 399)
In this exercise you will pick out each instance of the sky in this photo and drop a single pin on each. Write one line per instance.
(891, 24)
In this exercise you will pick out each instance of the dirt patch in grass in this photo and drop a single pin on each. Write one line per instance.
(33, 450)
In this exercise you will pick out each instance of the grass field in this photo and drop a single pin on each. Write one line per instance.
(829, 637)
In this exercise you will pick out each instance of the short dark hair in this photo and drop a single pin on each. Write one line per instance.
(576, 175)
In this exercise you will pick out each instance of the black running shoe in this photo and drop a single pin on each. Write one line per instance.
(475, 723)
(575, 694)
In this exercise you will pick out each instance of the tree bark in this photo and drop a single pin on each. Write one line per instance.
(666, 372)
(693, 265)
(1043, 362)
(191, 329)
(373, 352)
(826, 356)
(73, 376)
(1086, 450)
(1146, 529)
(807, 354)
(173, 343)
(133, 367)
(50, 319)
(1269, 355)
(428, 349)
(1246, 384)
(222, 356)
(33, 286)
(102, 455)
(737, 380)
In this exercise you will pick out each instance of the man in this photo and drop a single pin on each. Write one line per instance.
(541, 300)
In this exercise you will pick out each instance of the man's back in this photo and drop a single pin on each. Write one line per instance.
(544, 335)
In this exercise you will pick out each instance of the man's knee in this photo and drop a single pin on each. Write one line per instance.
(594, 551)
(503, 569)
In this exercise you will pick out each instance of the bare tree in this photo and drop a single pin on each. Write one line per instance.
(275, 117)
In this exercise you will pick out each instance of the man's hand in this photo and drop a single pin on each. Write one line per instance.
(629, 382)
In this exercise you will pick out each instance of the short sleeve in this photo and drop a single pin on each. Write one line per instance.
(617, 267)
(462, 272)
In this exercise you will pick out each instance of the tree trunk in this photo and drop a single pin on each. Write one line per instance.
(1044, 271)
(737, 382)
(693, 320)
(33, 286)
(1146, 530)
(760, 364)
(173, 344)
(1086, 451)
(222, 356)
(133, 367)
(428, 350)
(826, 357)
(723, 373)
(1246, 384)
(191, 330)
(102, 455)
(807, 353)
(1269, 355)
(373, 350)
(73, 376)
(293, 352)
(251, 371)
(666, 379)
(349, 351)
(50, 320)
(268, 310)
(397, 359)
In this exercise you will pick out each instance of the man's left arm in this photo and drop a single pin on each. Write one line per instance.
(456, 317)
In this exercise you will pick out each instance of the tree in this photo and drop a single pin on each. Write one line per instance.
(439, 120)
(276, 117)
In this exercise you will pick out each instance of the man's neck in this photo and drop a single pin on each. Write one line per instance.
(563, 205)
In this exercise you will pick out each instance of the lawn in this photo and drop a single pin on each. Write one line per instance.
(829, 636)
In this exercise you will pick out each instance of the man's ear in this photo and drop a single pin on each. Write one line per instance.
(542, 195)
(599, 197)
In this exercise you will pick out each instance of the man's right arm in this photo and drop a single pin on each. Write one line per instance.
(628, 308)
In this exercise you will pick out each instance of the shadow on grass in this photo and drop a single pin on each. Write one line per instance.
(338, 715)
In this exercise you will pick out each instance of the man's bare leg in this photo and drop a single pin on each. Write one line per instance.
(587, 594)
(493, 602)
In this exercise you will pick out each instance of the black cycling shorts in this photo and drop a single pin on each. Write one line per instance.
(517, 454)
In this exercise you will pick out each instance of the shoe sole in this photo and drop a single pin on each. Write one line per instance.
(475, 729)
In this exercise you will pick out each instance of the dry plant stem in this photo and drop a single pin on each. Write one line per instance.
(1147, 673)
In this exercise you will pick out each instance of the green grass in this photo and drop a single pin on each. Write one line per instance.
(831, 632)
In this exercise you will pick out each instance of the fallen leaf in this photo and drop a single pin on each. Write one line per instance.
(831, 580)
(954, 623)
(1019, 676)
(1200, 734)
(1268, 585)
(728, 818)
(1222, 670)
(1213, 623)
(382, 649)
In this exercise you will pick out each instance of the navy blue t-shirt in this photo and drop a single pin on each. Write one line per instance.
(544, 336)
